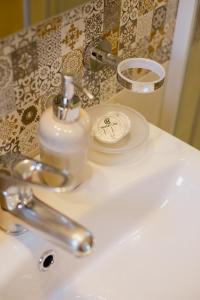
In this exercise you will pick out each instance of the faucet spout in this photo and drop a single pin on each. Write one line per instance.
(20, 210)
(52, 225)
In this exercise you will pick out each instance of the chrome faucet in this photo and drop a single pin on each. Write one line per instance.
(21, 210)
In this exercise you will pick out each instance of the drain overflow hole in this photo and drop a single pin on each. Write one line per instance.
(48, 261)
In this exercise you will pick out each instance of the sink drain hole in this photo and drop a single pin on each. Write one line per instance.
(46, 260)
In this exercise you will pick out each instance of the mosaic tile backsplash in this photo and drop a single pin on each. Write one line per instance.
(31, 61)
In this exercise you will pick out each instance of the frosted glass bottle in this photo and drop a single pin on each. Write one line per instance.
(64, 134)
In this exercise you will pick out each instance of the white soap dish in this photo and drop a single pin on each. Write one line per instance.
(137, 129)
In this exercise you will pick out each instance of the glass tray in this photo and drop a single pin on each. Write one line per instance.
(138, 134)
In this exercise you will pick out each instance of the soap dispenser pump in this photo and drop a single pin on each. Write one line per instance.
(64, 133)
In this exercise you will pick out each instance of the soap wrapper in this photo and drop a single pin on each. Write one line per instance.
(111, 127)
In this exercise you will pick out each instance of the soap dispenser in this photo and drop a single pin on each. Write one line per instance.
(64, 133)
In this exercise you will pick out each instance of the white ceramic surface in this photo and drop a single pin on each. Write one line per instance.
(145, 216)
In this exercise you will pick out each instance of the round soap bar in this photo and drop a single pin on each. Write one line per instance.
(111, 127)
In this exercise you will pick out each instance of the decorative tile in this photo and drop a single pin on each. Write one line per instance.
(93, 26)
(145, 6)
(24, 61)
(72, 15)
(48, 27)
(113, 37)
(159, 17)
(108, 89)
(155, 41)
(127, 53)
(28, 114)
(129, 11)
(17, 40)
(9, 129)
(172, 6)
(85, 101)
(49, 48)
(169, 32)
(128, 26)
(6, 72)
(28, 142)
(24, 37)
(72, 36)
(128, 34)
(50, 76)
(10, 146)
(92, 82)
(111, 15)
(27, 90)
(144, 24)
(158, 3)
(93, 17)
(141, 48)
(5, 46)
(72, 62)
(93, 7)
(106, 73)
(47, 98)
(162, 54)
(7, 101)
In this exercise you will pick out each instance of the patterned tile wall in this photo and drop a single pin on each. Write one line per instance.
(31, 61)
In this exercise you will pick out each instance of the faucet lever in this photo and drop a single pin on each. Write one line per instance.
(27, 171)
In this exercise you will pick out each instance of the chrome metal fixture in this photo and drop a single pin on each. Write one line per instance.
(20, 209)
(98, 54)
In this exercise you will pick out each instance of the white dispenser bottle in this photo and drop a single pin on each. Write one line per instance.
(64, 133)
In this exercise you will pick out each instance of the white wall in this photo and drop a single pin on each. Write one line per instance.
(187, 10)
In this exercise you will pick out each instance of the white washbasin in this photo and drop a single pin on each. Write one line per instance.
(145, 218)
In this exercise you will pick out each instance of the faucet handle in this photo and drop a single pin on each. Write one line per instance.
(27, 171)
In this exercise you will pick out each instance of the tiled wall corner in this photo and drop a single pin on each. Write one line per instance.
(31, 61)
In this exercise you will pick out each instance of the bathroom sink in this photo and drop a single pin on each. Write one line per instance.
(144, 215)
